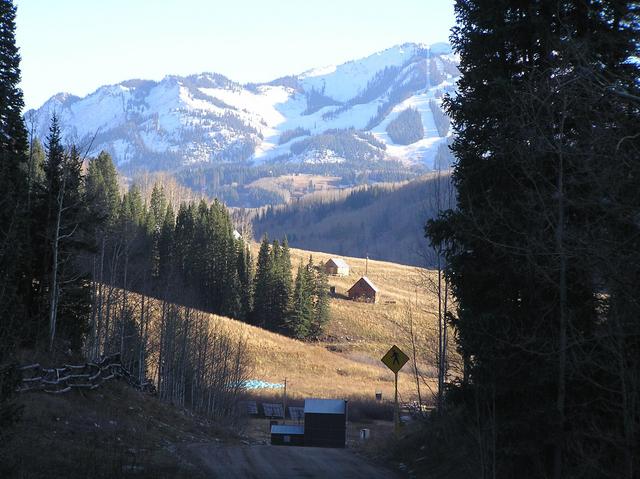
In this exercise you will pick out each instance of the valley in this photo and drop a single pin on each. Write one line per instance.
(385, 221)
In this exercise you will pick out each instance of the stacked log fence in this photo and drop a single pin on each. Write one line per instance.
(87, 376)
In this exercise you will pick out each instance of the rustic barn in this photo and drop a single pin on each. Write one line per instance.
(287, 435)
(325, 422)
(363, 290)
(336, 267)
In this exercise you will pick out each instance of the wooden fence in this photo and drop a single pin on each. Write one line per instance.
(85, 376)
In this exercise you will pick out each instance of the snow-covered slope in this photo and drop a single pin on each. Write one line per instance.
(206, 118)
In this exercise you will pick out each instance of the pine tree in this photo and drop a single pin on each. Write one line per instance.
(283, 284)
(321, 299)
(299, 321)
(183, 238)
(77, 229)
(102, 189)
(245, 276)
(154, 220)
(166, 246)
(546, 94)
(263, 286)
(15, 247)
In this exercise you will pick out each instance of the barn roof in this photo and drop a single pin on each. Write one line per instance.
(368, 282)
(340, 263)
(287, 429)
(324, 406)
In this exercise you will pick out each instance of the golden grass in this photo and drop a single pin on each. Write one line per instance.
(346, 362)
(297, 185)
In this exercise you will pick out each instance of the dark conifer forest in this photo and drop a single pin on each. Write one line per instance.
(542, 251)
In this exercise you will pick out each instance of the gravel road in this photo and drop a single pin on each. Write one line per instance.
(266, 462)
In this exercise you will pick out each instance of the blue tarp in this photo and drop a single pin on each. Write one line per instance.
(258, 384)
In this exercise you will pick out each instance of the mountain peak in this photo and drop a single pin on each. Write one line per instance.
(207, 118)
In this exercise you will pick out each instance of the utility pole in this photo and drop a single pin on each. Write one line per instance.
(284, 405)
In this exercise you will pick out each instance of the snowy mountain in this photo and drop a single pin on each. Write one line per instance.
(328, 115)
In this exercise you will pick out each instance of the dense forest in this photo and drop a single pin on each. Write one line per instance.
(381, 221)
(541, 251)
(406, 128)
(231, 182)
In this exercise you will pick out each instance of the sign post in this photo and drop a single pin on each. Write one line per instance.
(394, 360)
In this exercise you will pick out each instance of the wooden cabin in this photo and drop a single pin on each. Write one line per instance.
(336, 267)
(363, 290)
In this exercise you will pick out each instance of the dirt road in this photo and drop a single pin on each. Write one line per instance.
(266, 462)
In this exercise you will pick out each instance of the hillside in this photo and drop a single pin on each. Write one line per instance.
(114, 431)
(346, 360)
(385, 222)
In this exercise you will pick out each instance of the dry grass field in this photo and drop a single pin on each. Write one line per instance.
(346, 361)
(297, 185)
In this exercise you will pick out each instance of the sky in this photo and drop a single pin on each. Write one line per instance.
(76, 46)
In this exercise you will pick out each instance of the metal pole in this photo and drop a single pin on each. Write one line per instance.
(396, 411)
(285, 401)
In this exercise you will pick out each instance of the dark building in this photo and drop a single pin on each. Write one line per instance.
(287, 435)
(363, 290)
(325, 422)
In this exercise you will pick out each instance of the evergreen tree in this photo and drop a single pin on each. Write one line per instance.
(310, 302)
(299, 322)
(547, 98)
(263, 286)
(77, 227)
(166, 244)
(245, 276)
(15, 280)
(131, 234)
(321, 299)
(102, 189)
(183, 238)
(154, 220)
(282, 284)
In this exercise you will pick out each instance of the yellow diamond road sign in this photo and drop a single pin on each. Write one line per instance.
(395, 359)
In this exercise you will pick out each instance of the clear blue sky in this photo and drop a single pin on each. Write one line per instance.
(78, 45)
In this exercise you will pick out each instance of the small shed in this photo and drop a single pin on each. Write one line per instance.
(325, 422)
(336, 267)
(287, 435)
(363, 290)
